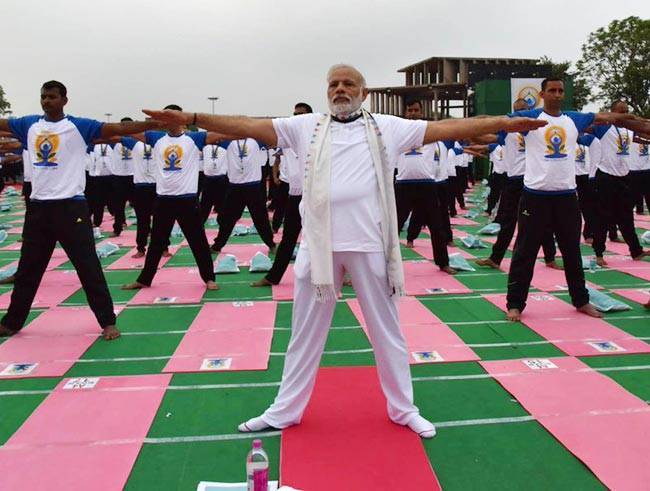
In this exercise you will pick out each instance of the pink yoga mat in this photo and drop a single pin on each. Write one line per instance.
(625, 264)
(227, 336)
(129, 262)
(618, 248)
(55, 287)
(424, 249)
(347, 417)
(571, 331)
(85, 438)
(424, 278)
(428, 339)
(126, 239)
(545, 278)
(54, 341)
(639, 295)
(169, 293)
(591, 415)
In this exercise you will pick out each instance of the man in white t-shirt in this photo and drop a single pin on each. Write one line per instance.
(349, 221)
(613, 193)
(176, 158)
(57, 145)
(640, 175)
(497, 177)
(549, 197)
(215, 180)
(292, 224)
(416, 192)
(122, 170)
(245, 158)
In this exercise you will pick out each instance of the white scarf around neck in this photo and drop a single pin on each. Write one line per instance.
(317, 221)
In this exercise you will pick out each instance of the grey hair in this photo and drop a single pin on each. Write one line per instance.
(340, 66)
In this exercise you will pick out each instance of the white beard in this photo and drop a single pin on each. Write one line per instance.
(343, 110)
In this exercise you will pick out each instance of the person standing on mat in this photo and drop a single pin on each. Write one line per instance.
(349, 224)
(122, 169)
(58, 211)
(587, 156)
(415, 192)
(215, 180)
(513, 148)
(101, 186)
(549, 197)
(613, 194)
(292, 223)
(640, 175)
(176, 158)
(497, 177)
(245, 158)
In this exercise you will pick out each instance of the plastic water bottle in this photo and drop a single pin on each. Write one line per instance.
(257, 468)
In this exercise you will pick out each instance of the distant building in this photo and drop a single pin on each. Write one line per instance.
(443, 84)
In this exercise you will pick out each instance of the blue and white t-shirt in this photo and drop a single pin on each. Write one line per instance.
(495, 156)
(245, 159)
(57, 150)
(214, 161)
(122, 164)
(616, 149)
(101, 164)
(417, 165)
(143, 165)
(640, 158)
(551, 150)
(514, 153)
(176, 160)
(440, 159)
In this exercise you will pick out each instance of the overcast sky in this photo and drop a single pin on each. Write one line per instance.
(261, 56)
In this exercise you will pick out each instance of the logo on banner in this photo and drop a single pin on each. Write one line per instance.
(173, 158)
(555, 137)
(47, 146)
(530, 95)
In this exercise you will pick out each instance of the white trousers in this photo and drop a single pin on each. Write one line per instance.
(310, 325)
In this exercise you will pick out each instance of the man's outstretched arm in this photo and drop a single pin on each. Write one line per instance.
(127, 128)
(239, 126)
(460, 129)
(624, 120)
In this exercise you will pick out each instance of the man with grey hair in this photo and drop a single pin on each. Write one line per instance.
(349, 224)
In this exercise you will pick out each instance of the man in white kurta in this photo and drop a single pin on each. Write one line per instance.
(361, 217)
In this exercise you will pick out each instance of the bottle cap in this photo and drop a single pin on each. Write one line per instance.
(257, 443)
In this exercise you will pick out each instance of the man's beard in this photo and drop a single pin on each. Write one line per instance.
(343, 110)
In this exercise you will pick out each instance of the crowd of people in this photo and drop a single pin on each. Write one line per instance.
(348, 181)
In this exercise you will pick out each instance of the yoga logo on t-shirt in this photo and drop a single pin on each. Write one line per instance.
(436, 154)
(521, 143)
(580, 154)
(415, 151)
(173, 157)
(126, 153)
(47, 146)
(555, 137)
(643, 150)
(623, 144)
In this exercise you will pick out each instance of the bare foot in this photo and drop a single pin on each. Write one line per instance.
(409, 244)
(448, 270)
(166, 253)
(134, 286)
(139, 254)
(513, 315)
(110, 333)
(600, 261)
(5, 332)
(488, 262)
(590, 310)
(211, 285)
(641, 256)
(262, 282)
(553, 265)
(8, 280)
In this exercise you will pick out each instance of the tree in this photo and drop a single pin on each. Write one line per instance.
(4, 103)
(581, 89)
(616, 63)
